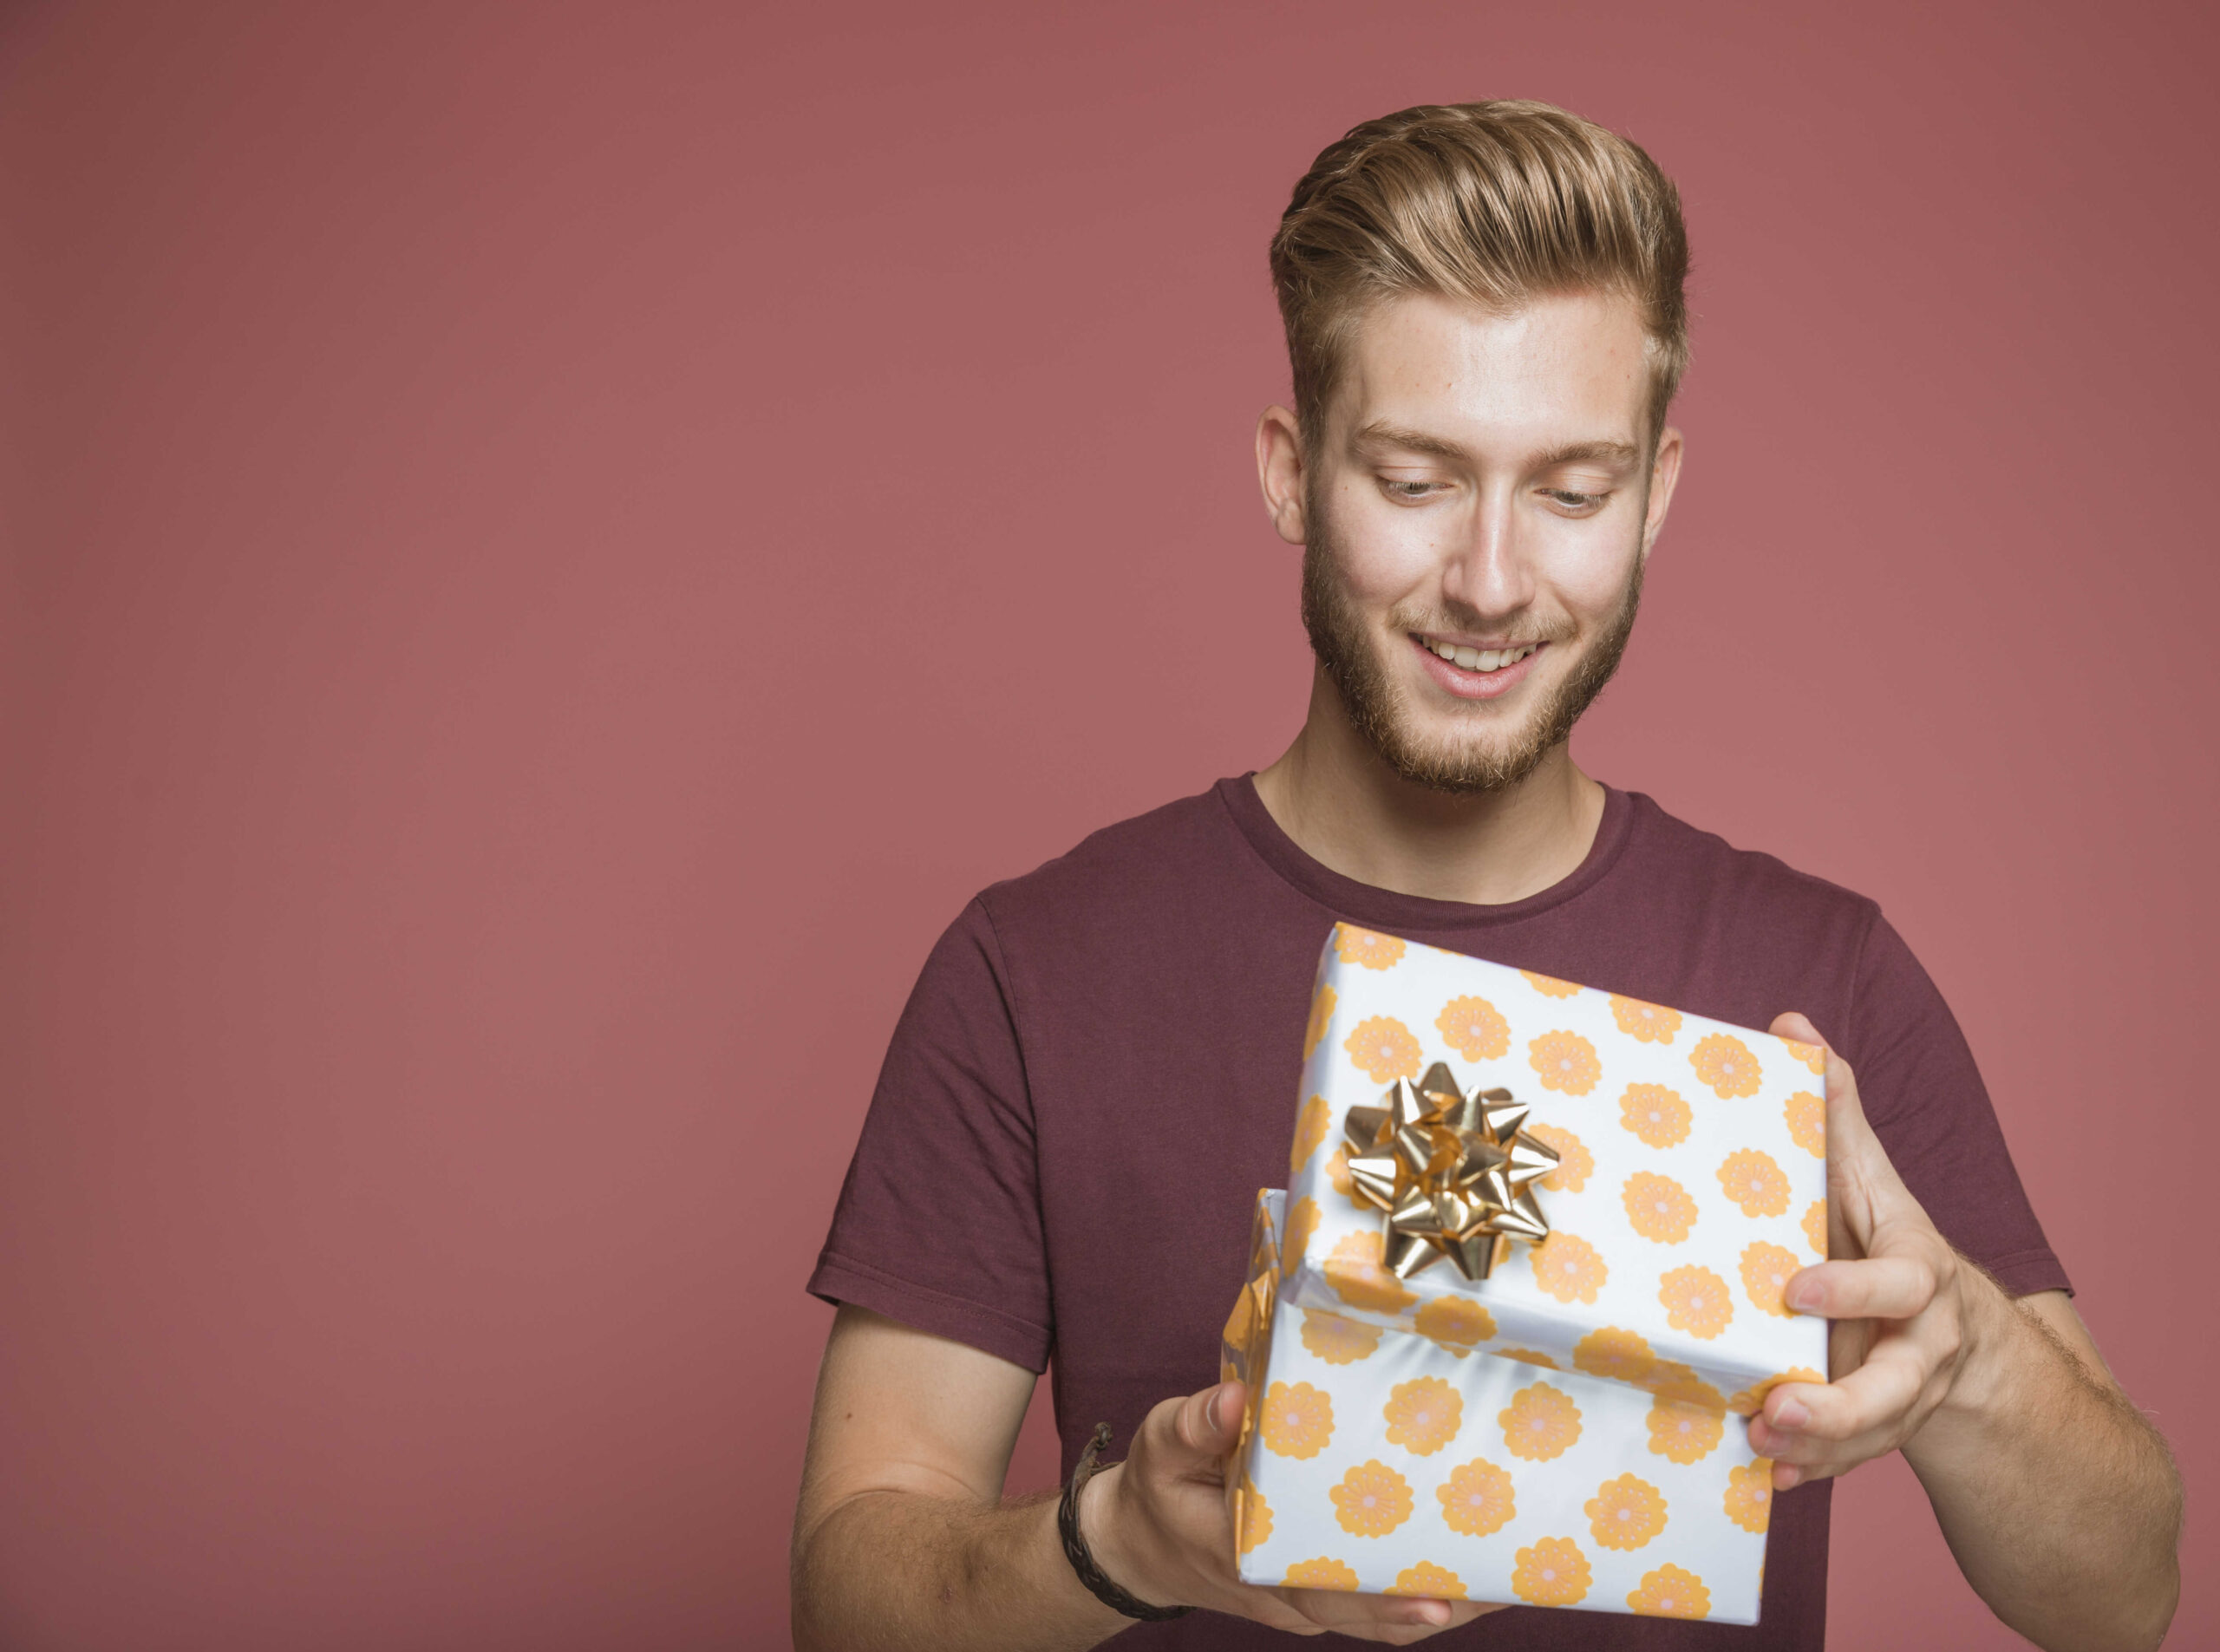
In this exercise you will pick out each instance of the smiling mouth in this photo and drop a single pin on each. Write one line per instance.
(1481, 660)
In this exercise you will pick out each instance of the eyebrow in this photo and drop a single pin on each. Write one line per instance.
(1379, 432)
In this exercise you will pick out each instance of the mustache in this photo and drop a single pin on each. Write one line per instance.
(1472, 622)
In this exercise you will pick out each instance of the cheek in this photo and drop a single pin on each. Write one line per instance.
(1588, 572)
(1384, 555)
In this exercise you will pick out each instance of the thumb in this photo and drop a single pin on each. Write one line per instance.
(1862, 1183)
(1192, 1435)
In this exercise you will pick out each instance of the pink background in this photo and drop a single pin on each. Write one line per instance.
(552, 548)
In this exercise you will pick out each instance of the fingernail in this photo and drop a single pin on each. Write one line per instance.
(1791, 1415)
(1806, 1295)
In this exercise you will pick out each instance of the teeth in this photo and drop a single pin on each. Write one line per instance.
(1481, 659)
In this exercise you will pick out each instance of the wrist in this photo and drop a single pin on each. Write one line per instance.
(1989, 1359)
(1106, 1525)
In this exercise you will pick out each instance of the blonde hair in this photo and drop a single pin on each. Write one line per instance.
(1497, 202)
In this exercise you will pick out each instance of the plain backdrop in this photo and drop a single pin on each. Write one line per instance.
(552, 548)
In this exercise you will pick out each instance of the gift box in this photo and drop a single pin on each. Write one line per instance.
(1524, 1280)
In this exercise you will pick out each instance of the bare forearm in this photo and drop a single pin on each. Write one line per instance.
(2058, 1500)
(898, 1570)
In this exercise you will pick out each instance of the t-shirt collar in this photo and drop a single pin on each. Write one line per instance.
(1385, 909)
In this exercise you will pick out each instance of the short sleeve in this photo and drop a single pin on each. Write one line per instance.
(1925, 1098)
(938, 1223)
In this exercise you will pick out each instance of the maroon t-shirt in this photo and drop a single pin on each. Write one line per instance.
(1097, 1070)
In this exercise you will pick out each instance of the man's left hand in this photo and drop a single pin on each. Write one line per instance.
(1907, 1309)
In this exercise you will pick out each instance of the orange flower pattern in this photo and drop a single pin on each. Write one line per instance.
(1324, 1572)
(1684, 1432)
(1655, 1113)
(1539, 1423)
(1354, 1272)
(1553, 1572)
(1354, 945)
(1337, 1172)
(1383, 1047)
(1658, 1207)
(1256, 1523)
(1574, 1162)
(1455, 1323)
(1815, 1226)
(1753, 1181)
(1625, 1513)
(1677, 1384)
(1812, 1056)
(1423, 1415)
(1569, 1269)
(1749, 1494)
(1807, 1123)
(1294, 1239)
(1725, 1062)
(1564, 1061)
(1338, 1341)
(1671, 1592)
(1474, 1028)
(1297, 1419)
(1311, 1126)
(1767, 1269)
(1645, 1024)
(1435, 1583)
(1613, 1353)
(1697, 1300)
(1476, 1499)
(1372, 1501)
(1549, 986)
(1526, 1356)
(1322, 1014)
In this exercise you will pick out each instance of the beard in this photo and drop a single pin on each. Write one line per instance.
(1476, 763)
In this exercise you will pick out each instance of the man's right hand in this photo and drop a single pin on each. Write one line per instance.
(1158, 1525)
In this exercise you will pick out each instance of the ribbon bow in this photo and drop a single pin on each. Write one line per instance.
(1453, 1173)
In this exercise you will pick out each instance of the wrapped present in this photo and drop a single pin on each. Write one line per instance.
(1524, 1279)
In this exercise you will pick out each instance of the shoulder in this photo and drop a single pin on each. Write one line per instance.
(1169, 855)
(1697, 868)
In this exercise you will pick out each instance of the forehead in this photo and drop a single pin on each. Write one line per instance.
(1568, 368)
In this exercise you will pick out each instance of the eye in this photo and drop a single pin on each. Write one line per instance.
(1408, 490)
(1580, 503)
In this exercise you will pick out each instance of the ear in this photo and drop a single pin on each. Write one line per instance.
(1664, 475)
(1279, 471)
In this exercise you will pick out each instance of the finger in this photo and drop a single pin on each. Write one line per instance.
(1799, 1027)
(1809, 1424)
(1854, 1152)
(1271, 1608)
(1877, 1288)
(1397, 1619)
(1190, 1436)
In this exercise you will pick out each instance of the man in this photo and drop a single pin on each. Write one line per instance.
(1484, 310)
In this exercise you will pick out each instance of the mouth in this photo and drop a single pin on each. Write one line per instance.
(1474, 673)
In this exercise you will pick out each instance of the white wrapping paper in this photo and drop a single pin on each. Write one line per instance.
(1566, 1431)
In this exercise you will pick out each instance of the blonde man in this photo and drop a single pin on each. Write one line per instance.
(1484, 318)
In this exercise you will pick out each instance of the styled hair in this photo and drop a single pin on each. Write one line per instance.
(1498, 203)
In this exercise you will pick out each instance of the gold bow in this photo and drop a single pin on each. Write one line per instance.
(1453, 1173)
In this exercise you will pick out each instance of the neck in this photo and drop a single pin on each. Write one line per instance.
(1342, 804)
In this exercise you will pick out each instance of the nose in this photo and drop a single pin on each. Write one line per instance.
(1485, 568)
